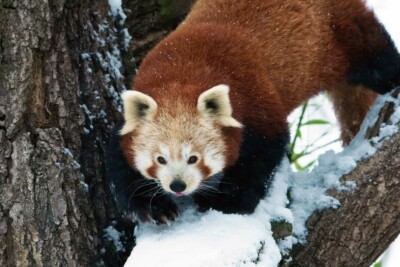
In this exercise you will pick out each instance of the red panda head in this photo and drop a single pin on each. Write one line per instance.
(177, 143)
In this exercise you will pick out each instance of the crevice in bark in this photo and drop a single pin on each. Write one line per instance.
(9, 4)
(9, 243)
(2, 116)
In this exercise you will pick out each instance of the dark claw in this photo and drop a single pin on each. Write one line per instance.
(162, 211)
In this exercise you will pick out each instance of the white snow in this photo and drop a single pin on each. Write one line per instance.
(111, 234)
(127, 38)
(116, 8)
(114, 61)
(85, 186)
(216, 239)
(392, 258)
(85, 56)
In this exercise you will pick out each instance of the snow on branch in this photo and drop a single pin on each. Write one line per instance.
(359, 185)
(368, 218)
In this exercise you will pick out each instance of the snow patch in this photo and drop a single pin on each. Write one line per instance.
(111, 234)
(116, 9)
(127, 38)
(68, 153)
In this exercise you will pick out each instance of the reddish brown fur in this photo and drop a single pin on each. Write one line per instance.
(349, 114)
(152, 171)
(273, 54)
(205, 170)
(233, 139)
(127, 149)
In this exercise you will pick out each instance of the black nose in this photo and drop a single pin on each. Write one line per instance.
(177, 186)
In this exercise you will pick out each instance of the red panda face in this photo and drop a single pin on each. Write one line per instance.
(178, 144)
(179, 164)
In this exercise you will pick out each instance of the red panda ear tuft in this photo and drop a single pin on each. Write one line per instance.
(214, 104)
(138, 108)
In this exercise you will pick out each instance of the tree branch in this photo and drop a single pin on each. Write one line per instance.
(368, 220)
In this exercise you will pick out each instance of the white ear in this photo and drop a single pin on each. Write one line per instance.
(215, 104)
(138, 108)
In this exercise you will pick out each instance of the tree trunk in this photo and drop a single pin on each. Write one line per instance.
(58, 102)
(148, 22)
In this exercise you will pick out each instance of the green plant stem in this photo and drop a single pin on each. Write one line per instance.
(295, 158)
(292, 145)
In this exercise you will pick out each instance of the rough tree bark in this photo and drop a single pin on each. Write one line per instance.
(150, 21)
(59, 102)
(57, 106)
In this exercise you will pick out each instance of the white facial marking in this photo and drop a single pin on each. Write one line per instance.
(214, 160)
(186, 149)
(143, 161)
(165, 152)
(194, 182)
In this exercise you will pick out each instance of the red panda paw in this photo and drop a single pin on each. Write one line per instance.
(160, 210)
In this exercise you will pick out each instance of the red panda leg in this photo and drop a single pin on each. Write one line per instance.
(245, 183)
(351, 103)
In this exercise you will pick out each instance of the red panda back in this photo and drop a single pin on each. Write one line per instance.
(298, 52)
(274, 54)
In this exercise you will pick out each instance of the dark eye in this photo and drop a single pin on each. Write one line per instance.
(161, 160)
(192, 160)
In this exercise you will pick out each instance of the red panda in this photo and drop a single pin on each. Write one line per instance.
(207, 116)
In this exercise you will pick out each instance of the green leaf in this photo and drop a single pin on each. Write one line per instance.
(296, 156)
(315, 122)
(303, 168)
(298, 133)
(309, 165)
(298, 166)
(293, 157)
